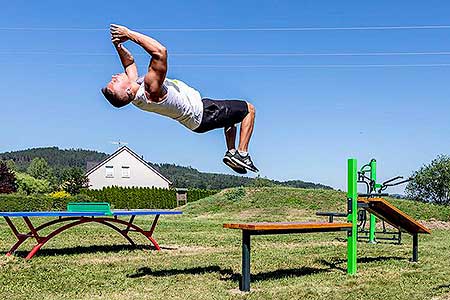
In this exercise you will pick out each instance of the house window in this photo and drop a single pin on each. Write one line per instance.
(109, 172)
(125, 172)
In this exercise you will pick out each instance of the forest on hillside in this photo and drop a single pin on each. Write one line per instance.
(181, 176)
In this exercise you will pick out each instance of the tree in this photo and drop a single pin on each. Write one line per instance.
(431, 183)
(259, 181)
(74, 180)
(29, 185)
(8, 183)
(11, 165)
(40, 169)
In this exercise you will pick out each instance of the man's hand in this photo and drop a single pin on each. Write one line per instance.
(119, 34)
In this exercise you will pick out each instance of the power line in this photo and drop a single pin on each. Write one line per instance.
(277, 66)
(224, 54)
(359, 28)
(316, 66)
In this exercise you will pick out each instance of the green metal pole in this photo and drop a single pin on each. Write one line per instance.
(352, 209)
(373, 219)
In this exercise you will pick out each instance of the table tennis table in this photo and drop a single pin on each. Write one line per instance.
(69, 219)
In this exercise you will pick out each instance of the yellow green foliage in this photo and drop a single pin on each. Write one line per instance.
(60, 194)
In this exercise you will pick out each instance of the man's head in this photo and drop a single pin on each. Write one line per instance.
(118, 91)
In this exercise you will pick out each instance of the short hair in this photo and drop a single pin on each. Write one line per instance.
(113, 98)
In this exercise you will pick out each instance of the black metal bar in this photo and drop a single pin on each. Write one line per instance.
(373, 195)
(245, 280)
(415, 256)
(331, 215)
(334, 214)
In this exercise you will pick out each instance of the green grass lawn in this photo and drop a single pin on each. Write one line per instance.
(201, 260)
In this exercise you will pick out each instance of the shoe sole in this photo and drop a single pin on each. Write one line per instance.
(233, 166)
(241, 164)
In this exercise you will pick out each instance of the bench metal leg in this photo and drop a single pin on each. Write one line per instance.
(415, 256)
(245, 280)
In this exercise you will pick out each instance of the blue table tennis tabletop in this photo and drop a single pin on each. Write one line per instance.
(87, 214)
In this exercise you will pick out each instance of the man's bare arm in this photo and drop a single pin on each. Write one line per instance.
(158, 65)
(127, 60)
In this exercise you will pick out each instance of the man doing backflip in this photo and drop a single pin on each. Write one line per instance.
(175, 99)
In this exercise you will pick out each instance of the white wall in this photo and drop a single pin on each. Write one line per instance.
(140, 175)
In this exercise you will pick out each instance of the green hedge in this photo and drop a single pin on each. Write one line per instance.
(135, 198)
(20, 202)
(118, 197)
(197, 194)
(143, 198)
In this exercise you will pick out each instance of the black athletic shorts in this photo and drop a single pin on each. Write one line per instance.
(221, 114)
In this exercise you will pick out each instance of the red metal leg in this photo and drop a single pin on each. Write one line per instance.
(41, 241)
(155, 221)
(124, 233)
(147, 234)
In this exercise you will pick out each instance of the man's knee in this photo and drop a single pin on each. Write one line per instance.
(251, 108)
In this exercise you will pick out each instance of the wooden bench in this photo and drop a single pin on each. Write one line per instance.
(265, 228)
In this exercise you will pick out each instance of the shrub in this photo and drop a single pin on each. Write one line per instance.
(137, 198)
(28, 185)
(8, 183)
(74, 181)
(59, 194)
(431, 183)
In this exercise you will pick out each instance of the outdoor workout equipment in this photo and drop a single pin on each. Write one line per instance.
(373, 190)
(77, 214)
(375, 205)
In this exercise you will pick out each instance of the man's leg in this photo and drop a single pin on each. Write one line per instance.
(247, 128)
(241, 158)
(230, 137)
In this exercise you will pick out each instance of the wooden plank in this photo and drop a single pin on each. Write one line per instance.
(392, 215)
(288, 226)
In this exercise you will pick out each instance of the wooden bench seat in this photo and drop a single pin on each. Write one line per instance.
(278, 227)
(266, 228)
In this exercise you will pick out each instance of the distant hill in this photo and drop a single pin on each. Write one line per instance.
(181, 176)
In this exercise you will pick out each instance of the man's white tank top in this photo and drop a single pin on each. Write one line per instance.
(182, 103)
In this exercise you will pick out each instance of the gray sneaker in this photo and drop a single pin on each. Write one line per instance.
(227, 159)
(244, 161)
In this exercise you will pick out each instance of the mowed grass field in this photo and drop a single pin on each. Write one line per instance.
(201, 260)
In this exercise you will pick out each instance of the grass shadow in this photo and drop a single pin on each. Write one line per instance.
(443, 287)
(228, 274)
(334, 264)
(87, 249)
(145, 271)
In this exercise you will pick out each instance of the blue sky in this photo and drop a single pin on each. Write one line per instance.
(309, 119)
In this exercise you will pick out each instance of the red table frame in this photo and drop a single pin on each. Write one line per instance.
(74, 221)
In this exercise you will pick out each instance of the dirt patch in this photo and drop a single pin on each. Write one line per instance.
(192, 250)
(295, 213)
(442, 297)
(108, 260)
(436, 224)
(251, 213)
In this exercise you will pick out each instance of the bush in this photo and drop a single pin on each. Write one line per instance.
(18, 202)
(40, 169)
(28, 185)
(197, 194)
(143, 198)
(59, 194)
(8, 182)
(74, 181)
(431, 183)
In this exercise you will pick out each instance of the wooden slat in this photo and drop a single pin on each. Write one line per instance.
(287, 226)
(392, 215)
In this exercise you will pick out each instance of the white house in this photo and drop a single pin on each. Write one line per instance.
(126, 169)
